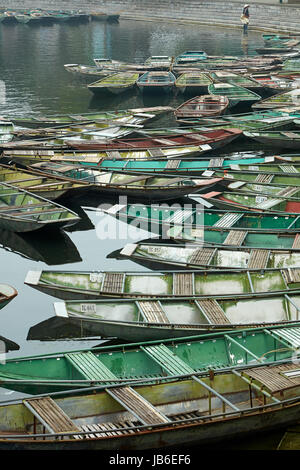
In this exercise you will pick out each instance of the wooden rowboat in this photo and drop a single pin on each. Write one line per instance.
(159, 62)
(190, 57)
(160, 218)
(281, 139)
(289, 98)
(156, 82)
(201, 106)
(96, 285)
(129, 116)
(234, 93)
(144, 186)
(21, 211)
(143, 362)
(115, 83)
(221, 76)
(239, 195)
(193, 82)
(49, 187)
(174, 256)
(193, 410)
(146, 319)
(7, 293)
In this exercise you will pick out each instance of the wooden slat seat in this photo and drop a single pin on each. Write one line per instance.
(169, 362)
(50, 415)
(179, 216)
(113, 282)
(235, 237)
(228, 220)
(152, 311)
(291, 275)
(202, 256)
(156, 152)
(296, 243)
(198, 138)
(261, 178)
(273, 377)
(172, 164)
(113, 154)
(133, 402)
(258, 259)
(165, 142)
(291, 336)
(288, 168)
(183, 284)
(215, 162)
(90, 367)
(212, 311)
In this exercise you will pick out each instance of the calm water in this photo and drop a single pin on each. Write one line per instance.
(35, 82)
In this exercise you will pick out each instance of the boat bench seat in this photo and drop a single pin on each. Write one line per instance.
(50, 415)
(235, 237)
(202, 256)
(261, 178)
(169, 362)
(156, 152)
(228, 219)
(172, 164)
(90, 367)
(212, 311)
(141, 408)
(258, 259)
(183, 284)
(113, 282)
(296, 243)
(215, 162)
(152, 311)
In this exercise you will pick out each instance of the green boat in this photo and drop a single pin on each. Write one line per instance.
(160, 218)
(192, 256)
(146, 361)
(190, 57)
(115, 83)
(193, 82)
(240, 195)
(135, 116)
(87, 71)
(96, 285)
(263, 175)
(7, 293)
(159, 62)
(281, 139)
(22, 211)
(268, 119)
(193, 167)
(49, 187)
(235, 94)
(143, 186)
(234, 237)
(197, 409)
(286, 99)
(145, 319)
(221, 76)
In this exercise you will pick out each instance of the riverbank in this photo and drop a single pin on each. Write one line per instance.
(264, 16)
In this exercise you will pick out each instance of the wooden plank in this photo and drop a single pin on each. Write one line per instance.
(156, 152)
(90, 366)
(235, 237)
(215, 162)
(113, 282)
(202, 256)
(261, 178)
(258, 259)
(152, 311)
(50, 415)
(273, 377)
(183, 284)
(172, 164)
(212, 311)
(296, 244)
(133, 402)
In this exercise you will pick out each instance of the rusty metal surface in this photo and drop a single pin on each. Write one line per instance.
(272, 377)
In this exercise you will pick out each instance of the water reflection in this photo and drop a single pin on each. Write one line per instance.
(8, 345)
(50, 247)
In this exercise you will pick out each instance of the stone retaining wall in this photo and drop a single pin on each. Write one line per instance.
(264, 16)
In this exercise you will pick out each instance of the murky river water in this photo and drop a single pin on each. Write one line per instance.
(33, 80)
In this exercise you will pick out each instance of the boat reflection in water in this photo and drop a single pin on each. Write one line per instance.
(7, 345)
(55, 328)
(56, 248)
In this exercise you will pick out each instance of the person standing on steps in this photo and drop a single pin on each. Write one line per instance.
(245, 18)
